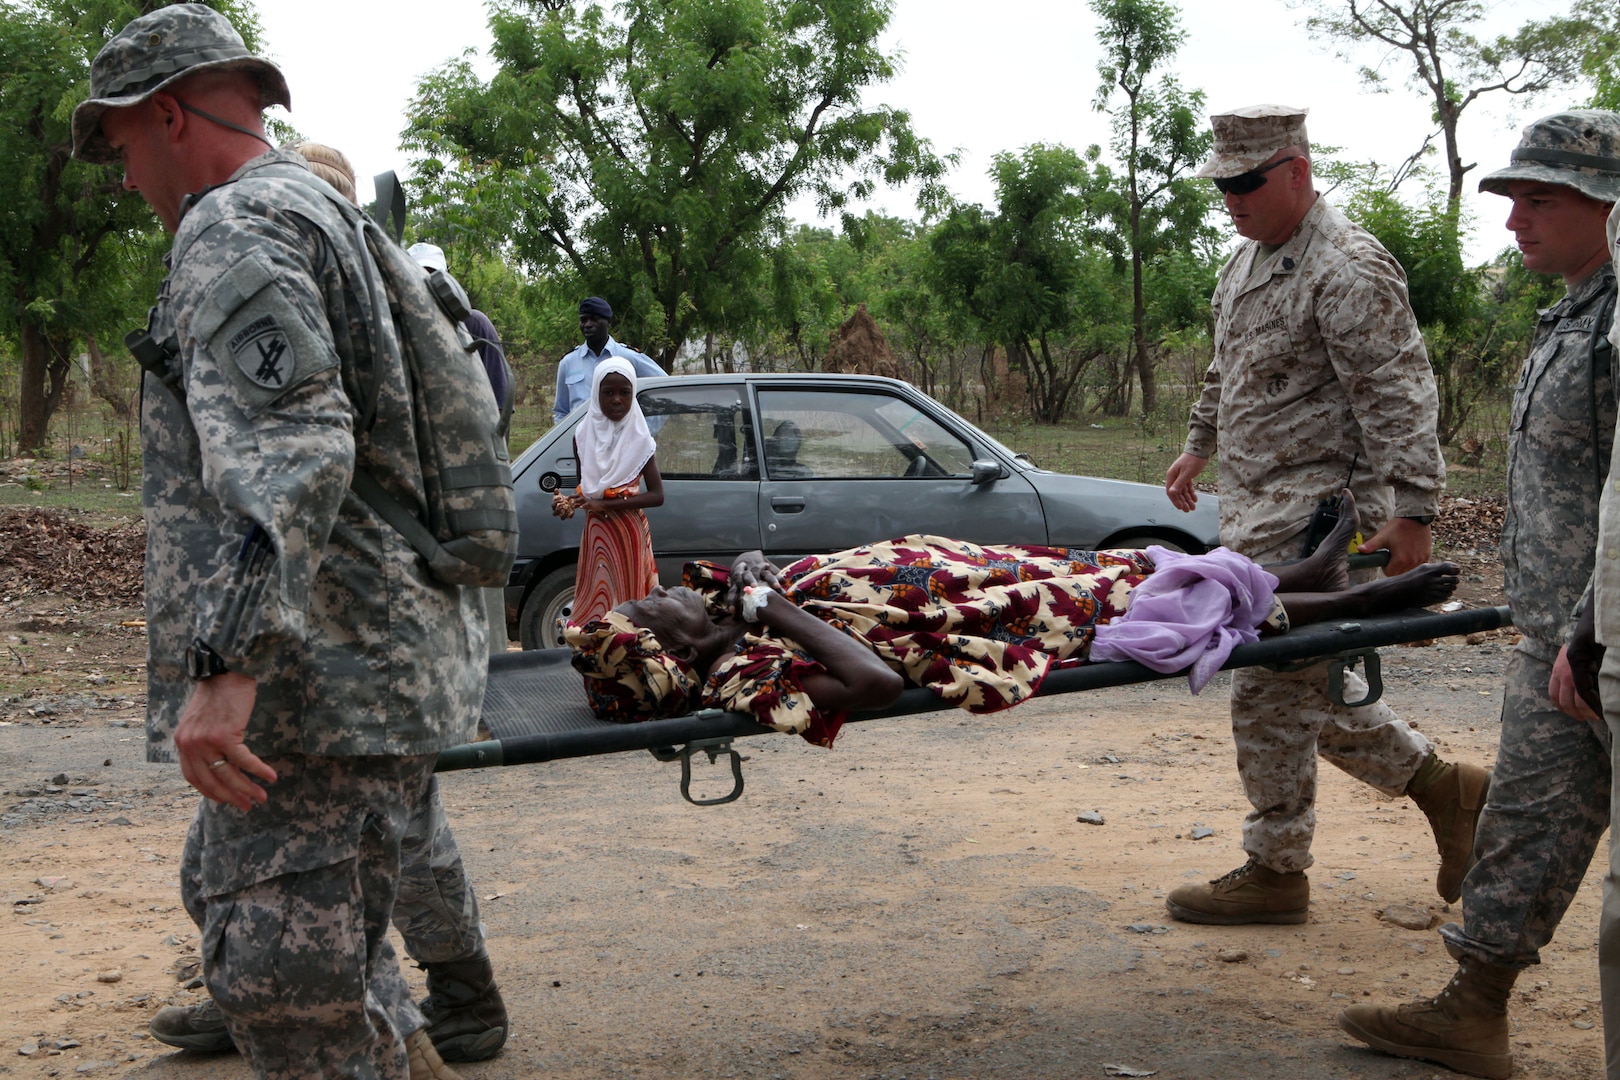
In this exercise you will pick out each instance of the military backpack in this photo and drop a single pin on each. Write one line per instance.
(470, 535)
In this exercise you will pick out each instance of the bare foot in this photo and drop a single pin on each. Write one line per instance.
(1327, 569)
(1428, 584)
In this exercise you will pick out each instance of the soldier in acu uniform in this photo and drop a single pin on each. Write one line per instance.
(304, 667)
(1603, 625)
(1319, 373)
(1549, 797)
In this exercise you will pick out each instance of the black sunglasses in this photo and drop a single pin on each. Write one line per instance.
(1253, 180)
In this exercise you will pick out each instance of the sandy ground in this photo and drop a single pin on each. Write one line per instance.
(920, 902)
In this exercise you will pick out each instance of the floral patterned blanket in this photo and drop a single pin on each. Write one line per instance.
(979, 626)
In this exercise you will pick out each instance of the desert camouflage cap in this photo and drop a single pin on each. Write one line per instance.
(1578, 149)
(1245, 138)
(152, 52)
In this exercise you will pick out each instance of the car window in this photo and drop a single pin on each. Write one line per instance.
(705, 432)
(849, 435)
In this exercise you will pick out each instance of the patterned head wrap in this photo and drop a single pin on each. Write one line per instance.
(629, 675)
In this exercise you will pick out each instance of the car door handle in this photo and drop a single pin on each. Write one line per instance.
(784, 505)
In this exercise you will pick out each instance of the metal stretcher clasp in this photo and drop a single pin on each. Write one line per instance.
(1338, 663)
(714, 748)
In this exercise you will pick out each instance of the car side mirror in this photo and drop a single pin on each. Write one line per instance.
(985, 471)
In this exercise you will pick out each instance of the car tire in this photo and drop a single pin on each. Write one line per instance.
(545, 609)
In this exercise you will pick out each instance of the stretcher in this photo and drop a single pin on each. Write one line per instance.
(534, 706)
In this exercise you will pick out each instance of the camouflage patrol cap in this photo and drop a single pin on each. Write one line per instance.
(1245, 138)
(155, 50)
(1578, 149)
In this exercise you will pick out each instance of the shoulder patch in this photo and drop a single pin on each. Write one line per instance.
(264, 353)
(259, 335)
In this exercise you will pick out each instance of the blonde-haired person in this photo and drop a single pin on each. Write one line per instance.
(329, 164)
(436, 911)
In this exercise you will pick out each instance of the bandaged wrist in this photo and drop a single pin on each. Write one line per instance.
(754, 598)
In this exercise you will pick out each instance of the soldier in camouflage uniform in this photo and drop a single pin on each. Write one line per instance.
(304, 667)
(1318, 364)
(1594, 667)
(1601, 623)
(1549, 796)
(436, 912)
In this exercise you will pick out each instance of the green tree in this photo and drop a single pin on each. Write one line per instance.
(74, 246)
(894, 284)
(1600, 53)
(652, 151)
(1477, 322)
(1450, 63)
(1159, 135)
(1025, 273)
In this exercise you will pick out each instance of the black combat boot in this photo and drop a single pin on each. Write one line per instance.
(466, 1018)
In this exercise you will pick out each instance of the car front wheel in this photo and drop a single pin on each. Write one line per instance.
(549, 603)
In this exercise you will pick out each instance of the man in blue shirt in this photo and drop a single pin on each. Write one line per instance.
(574, 370)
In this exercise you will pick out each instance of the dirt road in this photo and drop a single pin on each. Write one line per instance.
(920, 902)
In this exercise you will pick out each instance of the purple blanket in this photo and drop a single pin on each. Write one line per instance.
(1193, 611)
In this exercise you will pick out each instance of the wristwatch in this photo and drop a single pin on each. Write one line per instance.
(203, 662)
(1421, 519)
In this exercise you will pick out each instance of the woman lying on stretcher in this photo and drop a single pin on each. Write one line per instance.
(979, 626)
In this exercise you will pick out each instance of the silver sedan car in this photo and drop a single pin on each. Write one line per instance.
(806, 464)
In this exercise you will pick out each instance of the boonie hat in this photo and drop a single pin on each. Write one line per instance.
(154, 51)
(1579, 149)
(1245, 138)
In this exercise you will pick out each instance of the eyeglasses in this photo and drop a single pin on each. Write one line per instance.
(1253, 180)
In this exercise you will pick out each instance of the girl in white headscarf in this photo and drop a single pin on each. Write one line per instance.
(615, 450)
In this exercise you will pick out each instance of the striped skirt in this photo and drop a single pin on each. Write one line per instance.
(615, 563)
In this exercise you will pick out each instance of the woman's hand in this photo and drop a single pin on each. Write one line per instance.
(563, 505)
(751, 568)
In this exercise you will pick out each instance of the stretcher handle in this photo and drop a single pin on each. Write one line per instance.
(714, 748)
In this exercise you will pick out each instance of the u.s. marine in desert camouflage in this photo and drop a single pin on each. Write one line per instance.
(1318, 363)
(296, 640)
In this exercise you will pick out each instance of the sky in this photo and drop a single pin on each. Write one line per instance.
(973, 84)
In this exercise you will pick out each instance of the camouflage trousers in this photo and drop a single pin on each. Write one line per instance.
(495, 609)
(1609, 926)
(437, 911)
(1281, 721)
(1548, 807)
(293, 898)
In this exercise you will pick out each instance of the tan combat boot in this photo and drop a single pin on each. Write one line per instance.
(425, 1062)
(1464, 1027)
(1451, 797)
(1250, 894)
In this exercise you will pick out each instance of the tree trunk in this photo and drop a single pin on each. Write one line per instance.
(44, 359)
(104, 385)
(1143, 362)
